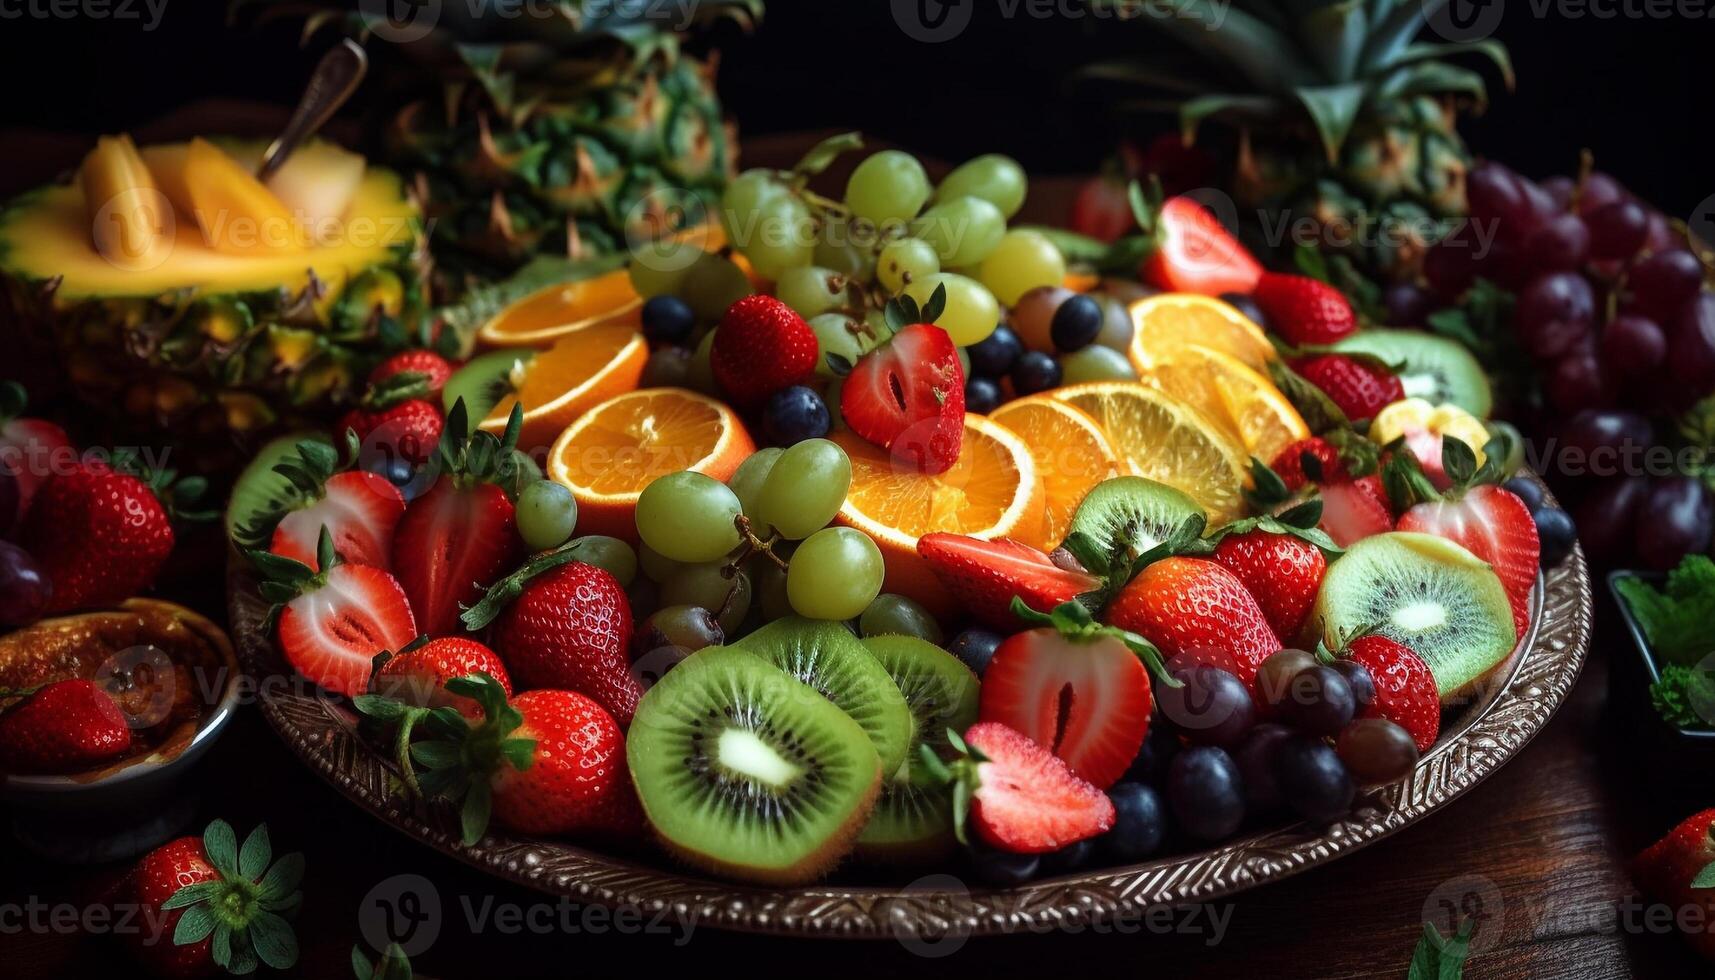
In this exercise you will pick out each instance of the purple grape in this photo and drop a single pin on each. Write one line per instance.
(1617, 432)
(1210, 707)
(1675, 520)
(1541, 205)
(1255, 759)
(1554, 313)
(1691, 347)
(1561, 243)
(1662, 283)
(1450, 268)
(1633, 345)
(1557, 533)
(1607, 519)
(1662, 235)
(1578, 381)
(1617, 229)
(24, 590)
(1358, 676)
(1560, 188)
(1494, 193)
(1599, 191)
(1248, 306)
(1318, 701)
(1206, 793)
(1313, 780)
(1408, 304)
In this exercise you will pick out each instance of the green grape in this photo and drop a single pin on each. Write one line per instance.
(743, 199)
(964, 362)
(891, 613)
(963, 230)
(707, 586)
(656, 566)
(811, 290)
(971, 313)
(528, 471)
(784, 237)
(841, 248)
(993, 177)
(834, 574)
(700, 376)
(1096, 363)
(688, 517)
(839, 334)
(805, 488)
(610, 553)
(1117, 328)
(1021, 262)
(546, 513)
(887, 188)
(712, 284)
(659, 268)
(905, 260)
(746, 481)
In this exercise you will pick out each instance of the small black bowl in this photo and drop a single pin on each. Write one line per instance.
(1634, 676)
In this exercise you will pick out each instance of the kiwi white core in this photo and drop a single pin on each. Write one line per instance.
(747, 755)
(1420, 616)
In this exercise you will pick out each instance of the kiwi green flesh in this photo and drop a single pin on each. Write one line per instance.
(745, 771)
(1132, 510)
(826, 656)
(1426, 592)
(258, 489)
(482, 382)
(1432, 368)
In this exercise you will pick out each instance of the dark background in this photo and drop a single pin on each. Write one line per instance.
(1631, 90)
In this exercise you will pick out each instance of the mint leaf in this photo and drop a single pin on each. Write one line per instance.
(1675, 619)
(1438, 957)
(1684, 697)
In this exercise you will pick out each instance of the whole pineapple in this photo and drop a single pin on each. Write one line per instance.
(533, 127)
(1337, 117)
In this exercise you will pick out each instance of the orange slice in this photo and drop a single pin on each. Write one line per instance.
(589, 365)
(618, 447)
(1169, 321)
(1253, 410)
(1162, 438)
(1072, 454)
(552, 312)
(991, 492)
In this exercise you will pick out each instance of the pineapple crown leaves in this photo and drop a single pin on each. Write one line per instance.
(472, 457)
(1406, 485)
(962, 774)
(306, 471)
(243, 912)
(1072, 620)
(506, 591)
(393, 964)
(460, 757)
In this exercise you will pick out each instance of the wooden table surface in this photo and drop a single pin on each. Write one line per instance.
(1542, 846)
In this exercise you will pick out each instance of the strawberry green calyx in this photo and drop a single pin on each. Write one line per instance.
(391, 711)
(963, 774)
(1299, 521)
(307, 471)
(284, 579)
(504, 592)
(1406, 485)
(459, 760)
(244, 909)
(178, 495)
(470, 458)
(396, 389)
(1073, 621)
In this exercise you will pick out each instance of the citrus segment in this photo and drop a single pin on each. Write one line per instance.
(1072, 454)
(587, 366)
(552, 312)
(1169, 321)
(1253, 410)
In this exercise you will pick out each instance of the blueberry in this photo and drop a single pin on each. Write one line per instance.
(1528, 491)
(1159, 748)
(1313, 780)
(982, 395)
(1244, 304)
(1206, 793)
(1358, 678)
(667, 320)
(1002, 869)
(1557, 532)
(995, 354)
(975, 648)
(1255, 758)
(1140, 822)
(1034, 372)
(1076, 323)
(397, 469)
(1069, 858)
(793, 415)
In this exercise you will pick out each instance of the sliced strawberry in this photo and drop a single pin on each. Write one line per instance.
(452, 543)
(1195, 254)
(1492, 523)
(908, 396)
(332, 623)
(1405, 689)
(761, 346)
(358, 508)
(1023, 799)
(986, 575)
(1304, 310)
(1355, 510)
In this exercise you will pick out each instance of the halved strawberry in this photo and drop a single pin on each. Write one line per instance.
(908, 395)
(985, 576)
(331, 623)
(359, 508)
(1075, 687)
(1193, 253)
(1023, 800)
(1354, 510)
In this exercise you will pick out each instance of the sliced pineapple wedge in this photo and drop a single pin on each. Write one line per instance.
(128, 220)
(237, 213)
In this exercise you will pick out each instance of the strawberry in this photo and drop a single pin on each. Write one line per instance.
(908, 395)
(205, 905)
(1281, 562)
(462, 535)
(1192, 252)
(1023, 800)
(549, 762)
(761, 346)
(985, 576)
(31, 449)
(1304, 310)
(560, 623)
(1679, 870)
(1360, 388)
(409, 428)
(360, 509)
(101, 535)
(1196, 607)
(1405, 689)
(1075, 687)
(417, 675)
(331, 623)
(1340, 469)
(1355, 510)
(1307, 461)
(63, 727)
(432, 368)
(1101, 209)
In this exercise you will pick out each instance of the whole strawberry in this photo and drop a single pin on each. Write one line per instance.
(63, 727)
(1679, 870)
(409, 428)
(559, 623)
(430, 367)
(100, 535)
(418, 674)
(1360, 388)
(761, 346)
(1197, 608)
(1405, 689)
(205, 905)
(1304, 310)
(1280, 562)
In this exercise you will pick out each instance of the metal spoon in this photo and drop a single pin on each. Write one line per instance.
(336, 76)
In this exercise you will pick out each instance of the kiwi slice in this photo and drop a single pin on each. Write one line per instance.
(826, 656)
(1426, 592)
(913, 818)
(483, 381)
(746, 772)
(1133, 513)
(1432, 368)
(259, 490)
